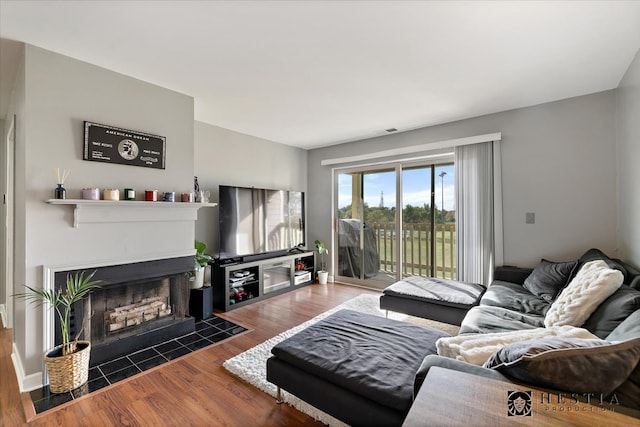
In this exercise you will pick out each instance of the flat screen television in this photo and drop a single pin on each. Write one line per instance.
(257, 221)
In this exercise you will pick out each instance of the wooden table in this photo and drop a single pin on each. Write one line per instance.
(452, 398)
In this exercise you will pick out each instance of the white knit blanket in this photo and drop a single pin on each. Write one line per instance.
(476, 348)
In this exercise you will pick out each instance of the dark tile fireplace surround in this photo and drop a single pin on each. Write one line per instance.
(126, 346)
(137, 305)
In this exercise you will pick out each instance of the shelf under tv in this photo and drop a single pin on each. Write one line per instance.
(271, 275)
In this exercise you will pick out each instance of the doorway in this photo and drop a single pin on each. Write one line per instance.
(6, 218)
(377, 243)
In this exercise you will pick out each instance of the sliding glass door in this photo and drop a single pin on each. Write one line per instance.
(377, 244)
(428, 221)
(366, 211)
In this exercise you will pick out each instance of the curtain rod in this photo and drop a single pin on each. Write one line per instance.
(497, 136)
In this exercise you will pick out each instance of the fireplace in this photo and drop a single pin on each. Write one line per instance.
(137, 305)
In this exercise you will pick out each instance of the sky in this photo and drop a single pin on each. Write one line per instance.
(416, 188)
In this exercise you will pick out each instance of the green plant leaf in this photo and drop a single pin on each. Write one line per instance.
(78, 287)
(200, 247)
(201, 259)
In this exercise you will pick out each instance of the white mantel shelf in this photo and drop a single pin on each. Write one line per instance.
(108, 211)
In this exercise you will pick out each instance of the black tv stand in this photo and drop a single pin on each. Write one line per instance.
(297, 250)
(266, 255)
(240, 283)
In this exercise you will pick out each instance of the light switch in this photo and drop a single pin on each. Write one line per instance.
(530, 218)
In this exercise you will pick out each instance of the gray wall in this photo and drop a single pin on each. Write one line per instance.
(56, 103)
(231, 158)
(628, 151)
(558, 160)
(17, 108)
(49, 132)
(3, 142)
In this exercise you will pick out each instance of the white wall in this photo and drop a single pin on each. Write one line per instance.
(225, 157)
(60, 93)
(628, 166)
(558, 161)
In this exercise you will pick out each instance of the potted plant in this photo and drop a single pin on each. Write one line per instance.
(201, 262)
(67, 364)
(322, 273)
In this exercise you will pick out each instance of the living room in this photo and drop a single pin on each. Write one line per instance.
(571, 160)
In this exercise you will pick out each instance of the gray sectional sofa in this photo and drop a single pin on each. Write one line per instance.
(369, 394)
(508, 305)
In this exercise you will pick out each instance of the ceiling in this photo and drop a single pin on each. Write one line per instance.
(317, 73)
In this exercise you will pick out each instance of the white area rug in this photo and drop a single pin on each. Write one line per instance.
(251, 365)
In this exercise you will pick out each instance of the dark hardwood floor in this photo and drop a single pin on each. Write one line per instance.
(194, 390)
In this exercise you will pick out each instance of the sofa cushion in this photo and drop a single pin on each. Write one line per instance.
(569, 364)
(371, 356)
(548, 278)
(629, 392)
(613, 311)
(483, 319)
(596, 254)
(513, 296)
(628, 329)
(511, 273)
(434, 360)
(450, 293)
(594, 283)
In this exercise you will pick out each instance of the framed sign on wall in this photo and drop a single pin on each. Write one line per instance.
(110, 144)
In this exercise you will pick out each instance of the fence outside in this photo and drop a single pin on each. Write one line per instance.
(416, 249)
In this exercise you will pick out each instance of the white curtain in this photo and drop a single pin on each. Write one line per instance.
(478, 206)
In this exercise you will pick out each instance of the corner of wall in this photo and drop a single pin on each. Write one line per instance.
(25, 382)
(627, 133)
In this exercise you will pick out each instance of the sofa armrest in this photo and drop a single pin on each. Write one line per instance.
(508, 273)
(457, 365)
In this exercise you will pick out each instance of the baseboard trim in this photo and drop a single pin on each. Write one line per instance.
(25, 382)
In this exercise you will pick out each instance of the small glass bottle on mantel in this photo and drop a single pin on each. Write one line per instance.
(60, 192)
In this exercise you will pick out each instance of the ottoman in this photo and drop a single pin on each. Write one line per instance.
(442, 300)
(356, 367)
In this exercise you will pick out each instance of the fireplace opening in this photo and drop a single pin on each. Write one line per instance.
(127, 307)
(138, 312)
(136, 306)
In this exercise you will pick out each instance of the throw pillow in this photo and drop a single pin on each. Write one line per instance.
(629, 392)
(594, 283)
(596, 254)
(629, 328)
(569, 364)
(548, 278)
(613, 311)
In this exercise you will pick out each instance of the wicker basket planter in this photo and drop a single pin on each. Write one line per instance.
(70, 371)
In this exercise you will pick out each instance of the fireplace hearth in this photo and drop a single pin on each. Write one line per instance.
(210, 331)
(137, 305)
